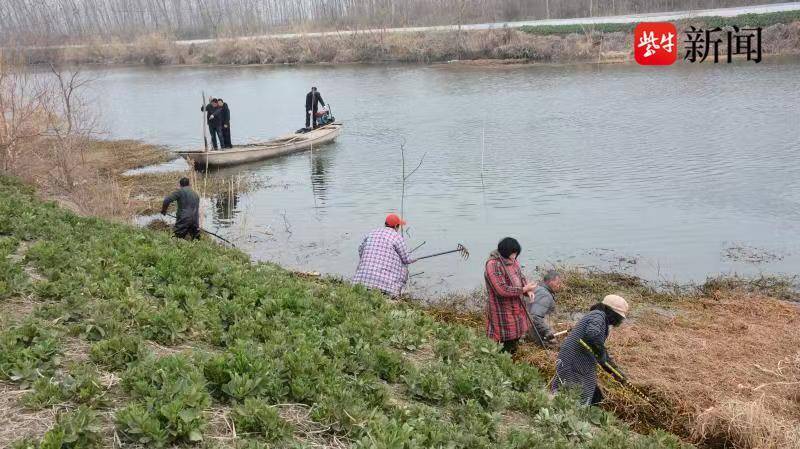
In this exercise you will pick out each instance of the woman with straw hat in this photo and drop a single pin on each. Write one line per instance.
(585, 347)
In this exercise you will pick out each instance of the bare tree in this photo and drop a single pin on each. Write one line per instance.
(404, 177)
(22, 109)
(70, 124)
(60, 21)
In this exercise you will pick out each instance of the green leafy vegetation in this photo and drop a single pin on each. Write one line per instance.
(78, 429)
(257, 417)
(743, 20)
(570, 29)
(28, 351)
(13, 280)
(171, 391)
(80, 385)
(117, 352)
(372, 373)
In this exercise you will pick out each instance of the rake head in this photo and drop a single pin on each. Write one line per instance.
(463, 251)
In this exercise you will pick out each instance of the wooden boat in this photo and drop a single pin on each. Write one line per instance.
(241, 154)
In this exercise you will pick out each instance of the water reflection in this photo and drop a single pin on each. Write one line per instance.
(225, 208)
(319, 177)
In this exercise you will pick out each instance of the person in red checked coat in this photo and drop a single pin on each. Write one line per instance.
(506, 321)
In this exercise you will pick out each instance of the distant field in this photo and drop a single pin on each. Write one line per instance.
(752, 20)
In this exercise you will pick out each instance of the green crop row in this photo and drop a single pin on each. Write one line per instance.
(377, 374)
(743, 20)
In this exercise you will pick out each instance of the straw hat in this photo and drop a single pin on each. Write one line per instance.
(617, 304)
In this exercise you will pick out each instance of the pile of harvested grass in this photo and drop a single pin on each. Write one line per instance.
(747, 424)
(718, 364)
(730, 367)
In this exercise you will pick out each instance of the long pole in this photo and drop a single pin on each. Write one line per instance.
(209, 233)
(530, 321)
(438, 254)
(203, 110)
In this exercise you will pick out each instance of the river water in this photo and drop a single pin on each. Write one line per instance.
(673, 173)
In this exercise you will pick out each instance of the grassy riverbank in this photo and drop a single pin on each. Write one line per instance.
(114, 334)
(565, 43)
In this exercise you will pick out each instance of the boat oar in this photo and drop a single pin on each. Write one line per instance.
(209, 233)
(460, 249)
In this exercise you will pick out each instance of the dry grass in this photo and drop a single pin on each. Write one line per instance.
(100, 189)
(18, 422)
(748, 424)
(738, 349)
(717, 364)
(222, 431)
(423, 47)
(112, 157)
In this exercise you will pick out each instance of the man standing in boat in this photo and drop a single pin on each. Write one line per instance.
(187, 217)
(313, 100)
(226, 124)
(214, 118)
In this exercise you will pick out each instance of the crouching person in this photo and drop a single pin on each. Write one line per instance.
(187, 217)
(542, 307)
(383, 258)
(585, 347)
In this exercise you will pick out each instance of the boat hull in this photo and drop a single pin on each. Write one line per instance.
(242, 154)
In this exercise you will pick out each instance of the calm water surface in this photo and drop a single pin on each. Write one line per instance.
(671, 173)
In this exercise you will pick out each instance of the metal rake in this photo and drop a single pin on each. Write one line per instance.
(459, 249)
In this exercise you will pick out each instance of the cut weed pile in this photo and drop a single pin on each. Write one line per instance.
(189, 344)
(719, 363)
(730, 364)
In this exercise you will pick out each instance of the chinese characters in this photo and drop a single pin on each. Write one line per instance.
(700, 44)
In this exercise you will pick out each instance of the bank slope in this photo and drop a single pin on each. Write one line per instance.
(114, 334)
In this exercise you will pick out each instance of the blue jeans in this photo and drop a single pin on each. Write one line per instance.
(216, 133)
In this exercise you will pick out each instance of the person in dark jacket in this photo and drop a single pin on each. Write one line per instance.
(542, 306)
(187, 217)
(226, 124)
(313, 100)
(214, 118)
(585, 347)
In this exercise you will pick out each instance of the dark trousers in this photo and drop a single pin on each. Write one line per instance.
(312, 117)
(510, 346)
(216, 133)
(187, 231)
(597, 397)
(226, 137)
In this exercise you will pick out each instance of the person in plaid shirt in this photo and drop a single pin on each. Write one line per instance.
(383, 257)
(506, 320)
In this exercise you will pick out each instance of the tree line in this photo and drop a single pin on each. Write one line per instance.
(51, 21)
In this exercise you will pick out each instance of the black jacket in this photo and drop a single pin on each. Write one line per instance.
(213, 115)
(226, 114)
(188, 213)
(312, 98)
